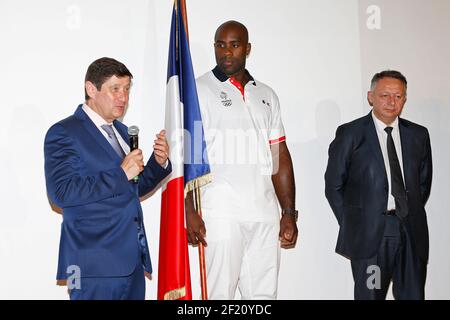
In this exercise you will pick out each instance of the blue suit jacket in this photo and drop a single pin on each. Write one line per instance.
(356, 186)
(102, 230)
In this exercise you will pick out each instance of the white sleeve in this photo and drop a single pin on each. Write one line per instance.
(276, 134)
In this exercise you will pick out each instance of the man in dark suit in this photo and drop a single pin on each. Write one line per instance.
(90, 173)
(377, 182)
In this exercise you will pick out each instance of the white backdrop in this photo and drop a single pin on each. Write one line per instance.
(318, 55)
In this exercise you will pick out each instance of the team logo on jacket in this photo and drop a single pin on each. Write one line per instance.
(225, 101)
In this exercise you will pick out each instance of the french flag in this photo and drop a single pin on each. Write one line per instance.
(185, 135)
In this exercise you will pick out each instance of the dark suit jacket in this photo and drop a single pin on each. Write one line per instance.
(356, 186)
(102, 230)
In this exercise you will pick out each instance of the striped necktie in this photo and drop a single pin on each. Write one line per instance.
(112, 138)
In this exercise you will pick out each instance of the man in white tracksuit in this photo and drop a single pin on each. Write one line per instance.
(252, 176)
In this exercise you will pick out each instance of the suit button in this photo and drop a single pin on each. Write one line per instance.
(135, 219)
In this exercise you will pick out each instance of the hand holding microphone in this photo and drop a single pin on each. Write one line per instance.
(133, 163)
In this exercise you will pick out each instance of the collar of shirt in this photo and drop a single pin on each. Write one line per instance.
(96, 119)
(99, 121)
(223, 77)
(381, 125)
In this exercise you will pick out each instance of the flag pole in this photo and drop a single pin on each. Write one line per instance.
(201, 248)
(196, 186)
(184, 15)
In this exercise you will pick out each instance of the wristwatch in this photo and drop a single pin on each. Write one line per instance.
(291, 212)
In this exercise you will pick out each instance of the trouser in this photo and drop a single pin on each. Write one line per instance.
(244, 255)
(130, 287)
(395, 261)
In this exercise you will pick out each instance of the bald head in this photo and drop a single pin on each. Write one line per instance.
(234, 26)
(231, 47)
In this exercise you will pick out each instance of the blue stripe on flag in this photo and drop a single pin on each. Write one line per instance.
(195, 158)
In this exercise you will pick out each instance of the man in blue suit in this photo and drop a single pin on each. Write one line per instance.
(90, 173)
(377, 182)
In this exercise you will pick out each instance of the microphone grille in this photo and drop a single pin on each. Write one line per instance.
(133, 130)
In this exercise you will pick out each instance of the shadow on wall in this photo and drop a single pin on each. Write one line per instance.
(318, 228)
(313, 157)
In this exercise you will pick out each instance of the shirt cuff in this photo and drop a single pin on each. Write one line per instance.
(275, 141)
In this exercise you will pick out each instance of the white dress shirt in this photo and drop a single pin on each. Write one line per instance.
(99, 121)
(382, 138)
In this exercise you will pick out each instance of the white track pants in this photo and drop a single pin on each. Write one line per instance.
(244, 255)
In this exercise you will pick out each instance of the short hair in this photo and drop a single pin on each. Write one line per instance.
(232, 23)
(102, 69)
(388, 74)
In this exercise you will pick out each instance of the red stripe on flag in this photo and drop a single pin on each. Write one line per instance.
(173, 270)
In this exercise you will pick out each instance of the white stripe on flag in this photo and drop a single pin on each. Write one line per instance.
(174, 128)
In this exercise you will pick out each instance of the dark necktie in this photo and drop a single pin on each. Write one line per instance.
(112, 138)
(397, 185)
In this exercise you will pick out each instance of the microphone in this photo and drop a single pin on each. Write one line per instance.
(133, 132)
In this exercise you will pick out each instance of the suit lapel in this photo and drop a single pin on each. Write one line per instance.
(122, 129)
(93, 131)
(405, 141)
(374, 142)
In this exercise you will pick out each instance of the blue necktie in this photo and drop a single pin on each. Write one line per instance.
(112, 138)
